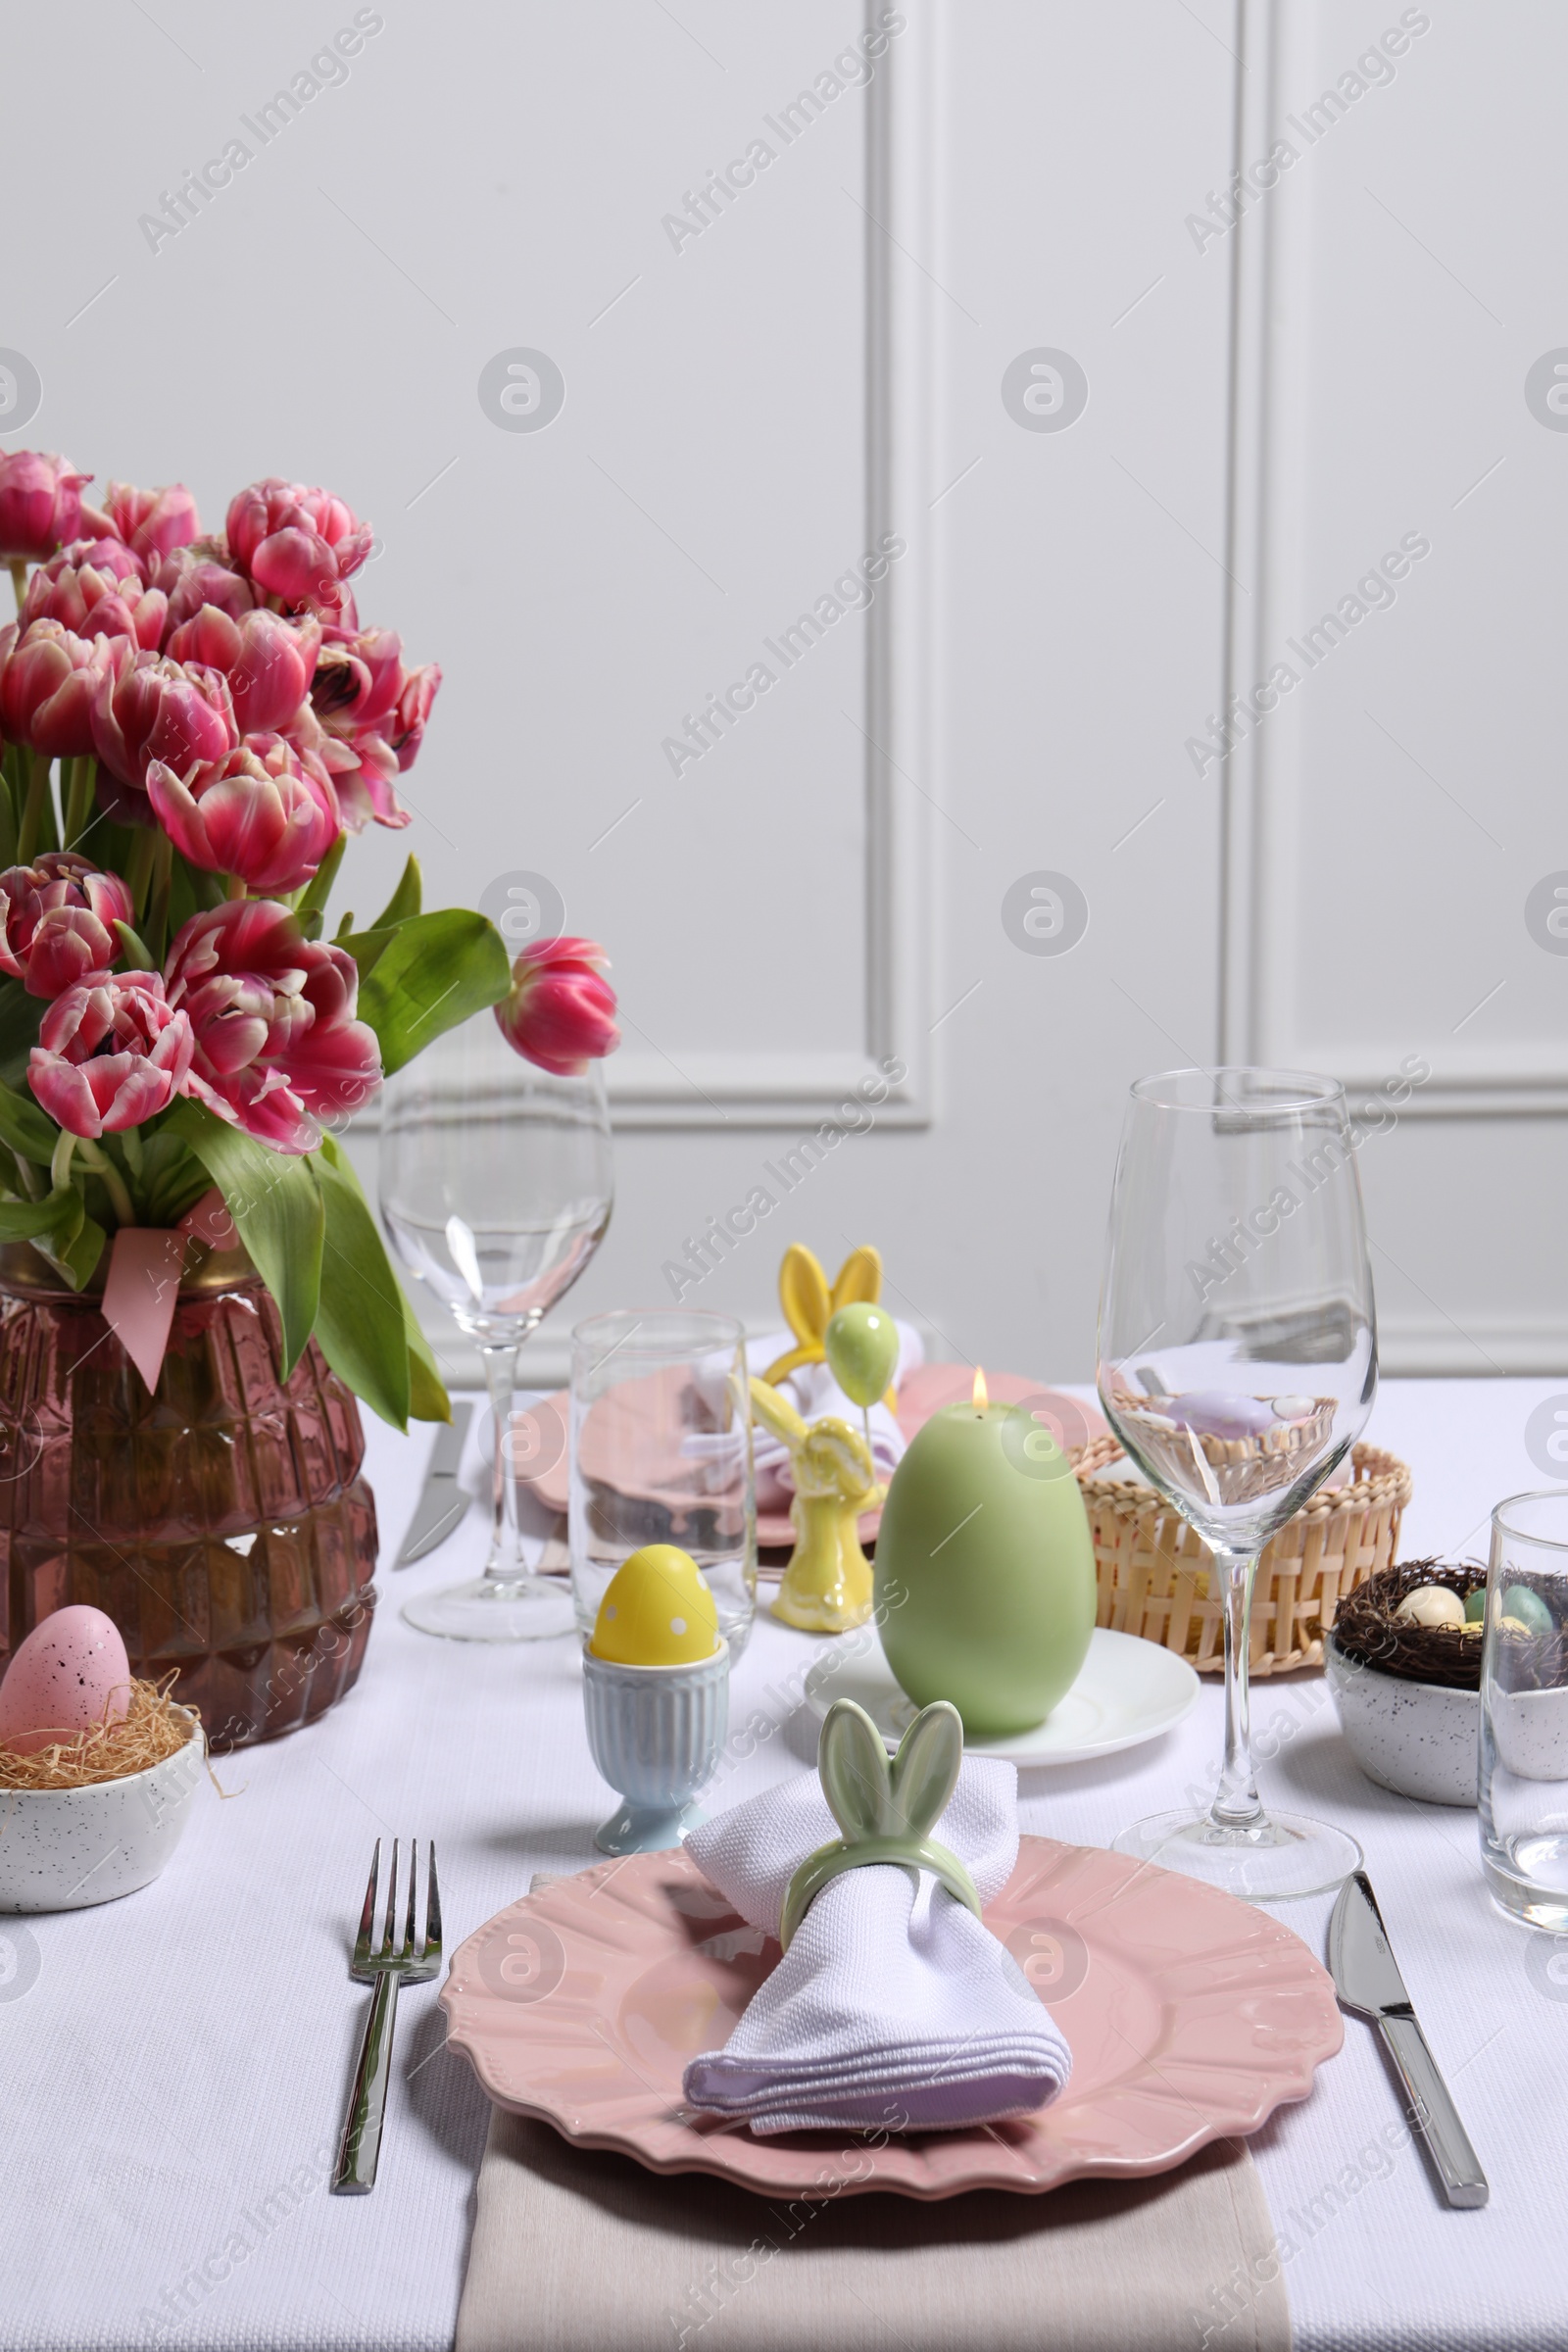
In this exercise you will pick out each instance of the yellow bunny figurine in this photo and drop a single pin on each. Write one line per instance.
(827, 1585)
(809, 1305)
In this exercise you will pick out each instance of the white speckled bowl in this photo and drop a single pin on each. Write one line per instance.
(1529, 1729)
(64, 1848)
(1417, 1739)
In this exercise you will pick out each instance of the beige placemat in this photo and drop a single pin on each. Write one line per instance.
(581, 2251)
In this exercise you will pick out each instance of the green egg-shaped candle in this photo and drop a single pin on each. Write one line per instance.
(861, 1345)
(985, 1569)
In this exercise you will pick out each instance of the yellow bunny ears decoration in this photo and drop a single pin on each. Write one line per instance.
(809, 1305)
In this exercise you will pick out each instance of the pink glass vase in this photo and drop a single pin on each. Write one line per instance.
(222, 1522)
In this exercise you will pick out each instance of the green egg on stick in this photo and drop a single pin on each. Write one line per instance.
(861, 1345)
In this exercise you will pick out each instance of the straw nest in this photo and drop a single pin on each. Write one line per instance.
(152, 1728)
(1368, 1630)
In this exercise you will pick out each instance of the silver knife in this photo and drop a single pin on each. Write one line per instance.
(443, 1503)
(1366, 1977)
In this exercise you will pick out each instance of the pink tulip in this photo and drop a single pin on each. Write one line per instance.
(202, 575)
(373, 712)
(297, 544)
(277, 1046)
(264, 814)
(95, 589)
(155, 709)
(41, 505)
(55, 921)
(154, 522)
(105, 553)
(420, 689)
(561, 1010)
(268, 661)
(48, 678)
(110, 1053)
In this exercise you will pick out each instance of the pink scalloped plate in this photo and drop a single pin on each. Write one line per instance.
(1191, 2016)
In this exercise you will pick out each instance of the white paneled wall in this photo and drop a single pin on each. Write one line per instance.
(814, 387)
(1391, 817)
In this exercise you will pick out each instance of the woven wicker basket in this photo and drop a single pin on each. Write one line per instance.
(1154, 1569)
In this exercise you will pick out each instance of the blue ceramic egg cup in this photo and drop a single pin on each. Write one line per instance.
(655, 1733)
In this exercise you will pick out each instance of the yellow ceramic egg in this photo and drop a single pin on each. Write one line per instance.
(656, 1611)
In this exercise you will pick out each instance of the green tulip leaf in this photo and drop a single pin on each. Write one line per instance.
(276, 1202)
(432, 973)
(190, 890)
(366, 947)
(20, 1016)
(404, 902)
(318, 889)
(428, 1397)
(171, 1179)
(26, 1220)
(24, 1128)
(59, 1229)
(361, 1323)
(77, 1244)
(9, 766)
(135, 948)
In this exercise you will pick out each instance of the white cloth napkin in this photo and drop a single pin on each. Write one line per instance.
(891, 2010)
(815, 1396)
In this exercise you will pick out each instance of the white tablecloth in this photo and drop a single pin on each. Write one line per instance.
(174, 2065)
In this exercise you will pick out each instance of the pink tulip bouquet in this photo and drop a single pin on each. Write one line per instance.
(191, 728)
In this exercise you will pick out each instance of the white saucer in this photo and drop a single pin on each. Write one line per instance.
(1129, 1690)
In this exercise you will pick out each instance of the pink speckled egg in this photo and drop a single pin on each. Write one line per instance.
(65, 1675)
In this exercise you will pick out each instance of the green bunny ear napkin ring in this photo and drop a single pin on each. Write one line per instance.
(887, 1810)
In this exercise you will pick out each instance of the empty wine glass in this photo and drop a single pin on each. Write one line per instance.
(1237, 1360)
(496, 1188)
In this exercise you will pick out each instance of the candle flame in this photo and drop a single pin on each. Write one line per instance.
(982, 1394)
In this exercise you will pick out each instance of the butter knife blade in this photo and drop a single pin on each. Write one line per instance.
(1361, 1959)
(443, 1503)
(1366, 1976)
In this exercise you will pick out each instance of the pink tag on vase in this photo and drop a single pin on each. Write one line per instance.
(145, 1262)
(142, 1286)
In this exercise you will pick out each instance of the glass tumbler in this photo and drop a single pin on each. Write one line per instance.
(662, 1453)
(1523, 1808)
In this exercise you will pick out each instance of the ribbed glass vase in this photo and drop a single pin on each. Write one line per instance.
(222, 1522)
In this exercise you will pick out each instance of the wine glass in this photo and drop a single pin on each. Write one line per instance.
(1237, 1364)
(496, 1188)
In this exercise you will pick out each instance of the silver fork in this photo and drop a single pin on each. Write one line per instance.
(386, 1968)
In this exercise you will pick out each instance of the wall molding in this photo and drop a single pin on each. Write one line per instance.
(1272, 242)
(1409, 1348)
(740, 1090)
(1249, 500)
(545, 1363)
(1427, 1346)
(1541, 1094)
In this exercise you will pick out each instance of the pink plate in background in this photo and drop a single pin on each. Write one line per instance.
(924, 1391)
(1190, 2016)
